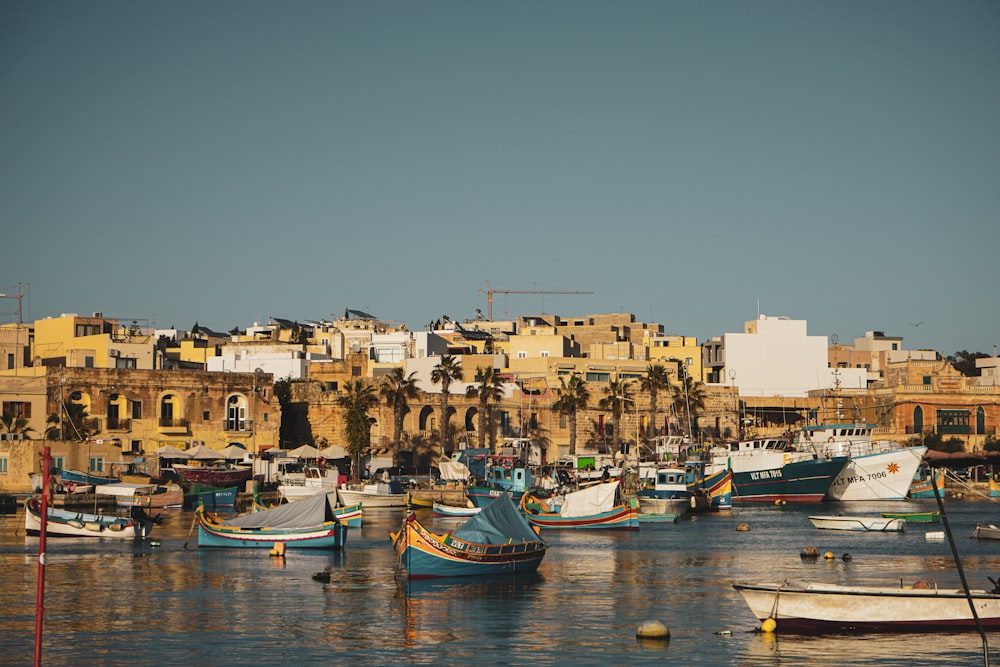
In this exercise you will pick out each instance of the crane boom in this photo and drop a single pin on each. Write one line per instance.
(489, 291)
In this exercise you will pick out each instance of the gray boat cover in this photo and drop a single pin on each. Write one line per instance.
(309, 512)
(500, 522)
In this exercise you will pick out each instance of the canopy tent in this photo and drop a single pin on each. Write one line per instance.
(203, 453)
(305, 452)
(171, 452)
(233, 452)
(334, 452)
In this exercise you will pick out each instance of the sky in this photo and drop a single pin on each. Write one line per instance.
(692, 163)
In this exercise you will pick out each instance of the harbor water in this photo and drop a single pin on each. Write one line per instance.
(164, 601)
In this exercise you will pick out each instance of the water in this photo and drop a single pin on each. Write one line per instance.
(113, 603)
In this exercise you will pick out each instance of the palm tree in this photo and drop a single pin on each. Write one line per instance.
(73, 424)
(690, 396)
(448, 370)
(572, 398)
(489, 389)
(657, 379)
(616, 396)
(358, 399)
(12, 424)
(398, 389)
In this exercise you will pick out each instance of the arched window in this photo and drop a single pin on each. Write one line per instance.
(980, 421)
(918, 419)
(236, 413)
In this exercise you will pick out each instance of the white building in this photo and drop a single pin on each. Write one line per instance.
(775, 356)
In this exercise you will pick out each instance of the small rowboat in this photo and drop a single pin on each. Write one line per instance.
(440, 509)
(861, 523)
(914, 517)
(986, 532)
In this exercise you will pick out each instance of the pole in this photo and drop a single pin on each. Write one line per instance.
(40, 598)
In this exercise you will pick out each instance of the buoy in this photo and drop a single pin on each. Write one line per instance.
(743, 526)
(779, 501)
(846, 557)
(828, 555)
(322, 576)
(278, 550)
(154, 543)
(769, 625)
(652, 630)
(809, 552)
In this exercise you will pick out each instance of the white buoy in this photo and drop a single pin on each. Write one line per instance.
(653, 630)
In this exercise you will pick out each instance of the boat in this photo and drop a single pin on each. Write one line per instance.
(812, 608)
(441, 509)
(211, 497)
(914, 517)
(309, 523)
(381, 494)
(994, 488)
(77, 477)
(986, 532)
(921, 485)
(658, 518)
(502, 475)
(130, 494)
(715, 484)
(64, 523)
(594, 507)
(875, 470)
(862, 523)
(769, 469)
(219, 476)
(497, 540)
(311, 481)
(352, 516)
(669, 493)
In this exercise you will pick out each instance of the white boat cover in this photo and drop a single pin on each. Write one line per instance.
(500, 522)
(309, 512)
(453, 470)
(124, 489)
(590, 500)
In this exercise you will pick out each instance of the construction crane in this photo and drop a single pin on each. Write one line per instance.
(489, 292)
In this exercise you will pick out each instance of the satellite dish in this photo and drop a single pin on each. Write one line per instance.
(834, 338)
(355, 347)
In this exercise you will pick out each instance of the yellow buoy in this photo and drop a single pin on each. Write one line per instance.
(743, 526)
(769, 625)
(279, 549)
(829, 555)
(652, 630)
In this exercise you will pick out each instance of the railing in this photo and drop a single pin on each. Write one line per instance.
(173, 422)
(92, 424)
(115, 424)
(238, 426)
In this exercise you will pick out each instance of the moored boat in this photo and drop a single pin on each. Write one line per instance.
(442, 509)
(309, 523)
(669, 493)
(859, 523)
(382, 494)
(818, 608)
(594, 507)
(211, 497)
(130, 494)
(313, 480)
(986, 532)
(714, 483)
(923, 483)
(503, 475)
(64, 523)
(914, 517)
(219, 476)
(495, 541)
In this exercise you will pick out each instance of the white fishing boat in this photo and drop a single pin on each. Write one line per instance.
(875, 470)
(309, 482)
(799, 607)
(877, 524)
(64, 523)
(383, 494)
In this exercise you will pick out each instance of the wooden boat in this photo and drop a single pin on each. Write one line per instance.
(658, 518)
(383, 494)
(78, 477)
(593, 507)
(924, 481)
(817, 608)
(914, 517)
(861, 523)
(714, 484)
(128, 494)
(669, 493)
(211, 497)
(440, 509)
(503, 475)
(305, 524)
(352, 516)
(219, 476)
(875, 470)
(986, 532)
(63, 523)
(497, 540)
(994, 488)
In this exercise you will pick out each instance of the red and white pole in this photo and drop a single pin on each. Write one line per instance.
(40, 600)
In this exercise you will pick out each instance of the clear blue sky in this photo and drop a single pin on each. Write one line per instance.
(230, 160)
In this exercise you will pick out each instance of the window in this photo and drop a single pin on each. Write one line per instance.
(953, 421)
(265, 416)
(206, 416)
(136, 409)
(3, 465)
(17, 409)
(96, 464)
(136, 445)
(125, 362)
(544, 353)
(58, 463)
(356, 371)
(88, 362)
(593, 376)
(10, 360)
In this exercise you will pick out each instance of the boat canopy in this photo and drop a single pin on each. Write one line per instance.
(306, 513)
(500, 522)
(590, 500)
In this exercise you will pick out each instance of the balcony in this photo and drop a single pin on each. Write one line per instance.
(174, 425)
(115, 424)
(238, 426)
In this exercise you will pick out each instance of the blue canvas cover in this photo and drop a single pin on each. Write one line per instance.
(499, 522)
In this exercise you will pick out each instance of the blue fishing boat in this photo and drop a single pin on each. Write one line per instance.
(80, 477)
(503, 475)
(715, 486)
(769, 469)
(309, 523)
(211, 498)
(495, 541)
(668, 494)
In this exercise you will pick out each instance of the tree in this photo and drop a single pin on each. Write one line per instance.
(73, 425)
(398, 389)
(616, 397)
(657, 379)
(12, 424)
(573, 397)
(965, 362)
(488, 389)
(448, 370)
(358, 399)
(690, 396)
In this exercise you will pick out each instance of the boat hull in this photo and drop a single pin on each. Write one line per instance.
(350, 497)
(822, 608)
(800, 481)
(621, 517)
(440, 509)
(62, 523)
(859, 523)
(212, 534)
(217, 477)
(879, 476)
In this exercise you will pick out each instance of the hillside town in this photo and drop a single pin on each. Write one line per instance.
(106, 394)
